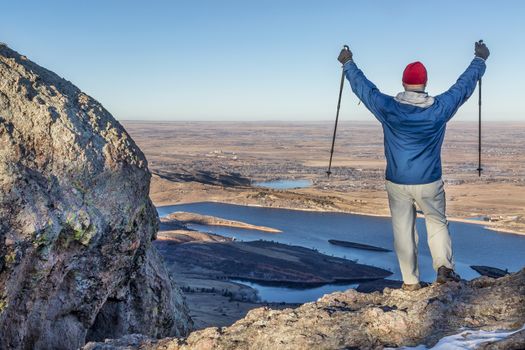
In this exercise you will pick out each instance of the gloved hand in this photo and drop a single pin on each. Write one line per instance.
(481, 50)
(345, 55)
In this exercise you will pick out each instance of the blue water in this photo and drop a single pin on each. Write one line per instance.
(295, 295)
(472, 244)
(284, 184)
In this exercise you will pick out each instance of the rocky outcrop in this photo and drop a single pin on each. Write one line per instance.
(76, 222)
(353, 320)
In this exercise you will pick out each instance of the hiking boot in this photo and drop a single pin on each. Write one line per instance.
(411, 287)
(446, 275)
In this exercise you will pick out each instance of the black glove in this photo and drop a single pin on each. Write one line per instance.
(481, 50)
(345, 55)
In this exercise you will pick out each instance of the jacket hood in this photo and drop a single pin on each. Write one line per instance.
(414, 98)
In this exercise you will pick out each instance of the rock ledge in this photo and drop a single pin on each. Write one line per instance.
(364, 321)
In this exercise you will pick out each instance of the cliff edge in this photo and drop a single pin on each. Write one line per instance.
(76, 222)
(353, 320)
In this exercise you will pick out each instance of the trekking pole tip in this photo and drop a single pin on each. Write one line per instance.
(328, 173)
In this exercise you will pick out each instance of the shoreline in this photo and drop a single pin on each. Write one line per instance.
(453, 219)
(303, 285)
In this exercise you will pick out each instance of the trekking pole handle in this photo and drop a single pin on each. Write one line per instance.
(346, 47)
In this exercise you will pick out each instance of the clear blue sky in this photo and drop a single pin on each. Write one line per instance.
(265, 60)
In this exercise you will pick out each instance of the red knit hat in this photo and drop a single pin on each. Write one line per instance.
(415, 74)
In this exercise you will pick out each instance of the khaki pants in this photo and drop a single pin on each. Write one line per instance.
(430, 198)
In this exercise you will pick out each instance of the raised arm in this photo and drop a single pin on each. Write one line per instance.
(458, 93)
(365, 90)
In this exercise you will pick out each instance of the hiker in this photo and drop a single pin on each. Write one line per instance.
(414, 126)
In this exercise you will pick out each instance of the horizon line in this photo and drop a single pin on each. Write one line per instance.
(298, 121)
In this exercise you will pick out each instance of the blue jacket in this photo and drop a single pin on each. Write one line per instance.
(413, 134)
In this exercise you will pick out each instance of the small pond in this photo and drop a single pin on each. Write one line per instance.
(284, 184)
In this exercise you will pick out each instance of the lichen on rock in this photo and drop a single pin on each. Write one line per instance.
(76, 222)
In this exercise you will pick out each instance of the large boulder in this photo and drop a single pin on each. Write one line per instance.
(76, 222)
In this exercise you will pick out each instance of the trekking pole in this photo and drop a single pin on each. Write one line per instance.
(345, 47)
(479, 125)
(479, 130)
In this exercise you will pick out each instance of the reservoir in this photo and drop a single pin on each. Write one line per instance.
(472, 244)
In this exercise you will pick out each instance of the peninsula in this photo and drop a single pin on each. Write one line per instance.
(194, 218)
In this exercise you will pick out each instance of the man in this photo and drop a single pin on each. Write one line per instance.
(414, 127)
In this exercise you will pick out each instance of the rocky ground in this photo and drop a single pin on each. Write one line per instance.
(353, 320)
